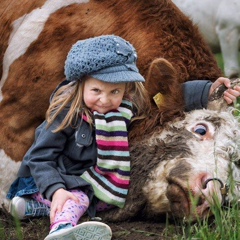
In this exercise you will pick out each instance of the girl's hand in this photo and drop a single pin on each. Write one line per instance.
(58, 200)
(230, 95)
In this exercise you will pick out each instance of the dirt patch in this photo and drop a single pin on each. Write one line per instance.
(37, 229)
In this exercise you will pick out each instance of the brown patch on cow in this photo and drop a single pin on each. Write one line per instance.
(178, 197)
(181, 171)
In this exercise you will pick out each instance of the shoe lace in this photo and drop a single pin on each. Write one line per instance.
(36, 209)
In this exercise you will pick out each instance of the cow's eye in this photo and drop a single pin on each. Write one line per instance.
(200, 129)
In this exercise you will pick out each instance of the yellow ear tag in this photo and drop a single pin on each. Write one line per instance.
(158, 99)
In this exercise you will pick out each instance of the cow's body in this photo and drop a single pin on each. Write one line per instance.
(36, 64)
(33, 68)
(219, 22)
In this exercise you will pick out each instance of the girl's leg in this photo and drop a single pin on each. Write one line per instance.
(39, 198)
(72, 211)
(65, 223)
(102, 206)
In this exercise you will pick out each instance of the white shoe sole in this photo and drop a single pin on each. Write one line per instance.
(85, 231)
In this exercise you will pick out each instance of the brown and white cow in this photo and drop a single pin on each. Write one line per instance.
(37, 35)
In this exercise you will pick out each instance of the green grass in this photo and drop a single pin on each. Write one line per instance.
(219, 59)
(226, 225)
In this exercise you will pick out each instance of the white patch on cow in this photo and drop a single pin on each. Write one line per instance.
(27, 29)
(8, 169)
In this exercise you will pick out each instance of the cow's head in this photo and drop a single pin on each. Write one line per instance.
(195, 155)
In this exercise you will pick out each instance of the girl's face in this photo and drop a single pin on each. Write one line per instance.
(102, 96)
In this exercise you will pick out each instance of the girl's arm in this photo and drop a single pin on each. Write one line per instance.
(41, 158)
(196, 92)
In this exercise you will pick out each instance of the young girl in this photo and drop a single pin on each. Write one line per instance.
(80, 159)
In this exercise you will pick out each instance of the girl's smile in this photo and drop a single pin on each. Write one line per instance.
(102, 96)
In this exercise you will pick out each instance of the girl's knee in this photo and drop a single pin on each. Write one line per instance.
(84, 200)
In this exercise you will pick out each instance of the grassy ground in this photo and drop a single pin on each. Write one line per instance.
(224, 225)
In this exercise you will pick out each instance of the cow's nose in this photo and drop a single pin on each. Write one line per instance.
(206, 194)
(212, 190)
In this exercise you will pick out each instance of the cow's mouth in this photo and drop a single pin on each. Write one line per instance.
(179, 200)
(184, 205)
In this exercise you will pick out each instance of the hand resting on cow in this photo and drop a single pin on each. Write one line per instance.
(231, 94)
(54, 149)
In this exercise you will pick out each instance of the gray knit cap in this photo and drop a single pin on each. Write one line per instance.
(108, 58)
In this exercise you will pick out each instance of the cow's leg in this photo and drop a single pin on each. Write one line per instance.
(227, 28)
(229, 47)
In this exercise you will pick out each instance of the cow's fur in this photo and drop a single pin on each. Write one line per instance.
(156, 29)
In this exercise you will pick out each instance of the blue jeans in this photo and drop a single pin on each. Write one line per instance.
(21, 187)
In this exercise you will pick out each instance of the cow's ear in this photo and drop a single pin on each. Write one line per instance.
(165, 90)
(161, 81)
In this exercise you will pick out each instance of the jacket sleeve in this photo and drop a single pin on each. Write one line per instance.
(196, 94)
(41, 158)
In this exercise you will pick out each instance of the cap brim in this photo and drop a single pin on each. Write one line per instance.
(119, 77)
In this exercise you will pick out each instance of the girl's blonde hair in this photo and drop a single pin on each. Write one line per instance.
(70, 97)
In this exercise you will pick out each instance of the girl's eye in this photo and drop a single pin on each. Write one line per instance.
(200, 129)
(96, 90)
(115, 91)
